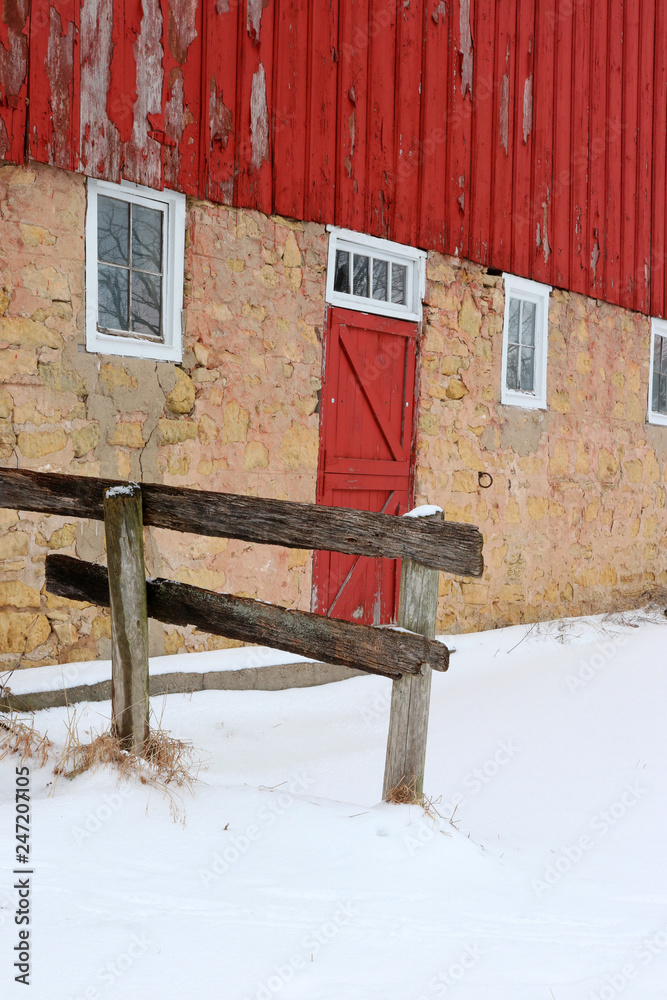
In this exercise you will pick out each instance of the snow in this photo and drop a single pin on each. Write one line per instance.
(121, 491)
(69, 675)
(286, 877)
(426, 510)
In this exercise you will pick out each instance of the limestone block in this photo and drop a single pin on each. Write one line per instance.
(207, 429)
(85, 438)
(35, 444)
(634, 470)
(17, 594)
(178, 465)
(116, 377)
(57, 377)
(470, 318)
(63, 537)
(456, 389)
(7, 438)
(429, 423)
(465, 481)
(21, 632)
(17, 362)
(291, 253)
(235, 423)
(176, 431)
(560, 401)
(255, 455)
(46, 282)
(127, 434)
(27, 333)
(537, 507)
(182, 397)
(207, 578)
(35, 236)
(299, 447)
(6, 404)
(607, 465)
(475, 593)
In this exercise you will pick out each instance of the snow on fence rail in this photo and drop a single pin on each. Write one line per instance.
(426, 544)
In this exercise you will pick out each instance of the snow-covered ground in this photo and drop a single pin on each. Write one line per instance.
(288, 878)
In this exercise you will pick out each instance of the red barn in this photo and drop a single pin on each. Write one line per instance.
(369, 254)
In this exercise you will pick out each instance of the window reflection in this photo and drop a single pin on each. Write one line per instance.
(129, 247)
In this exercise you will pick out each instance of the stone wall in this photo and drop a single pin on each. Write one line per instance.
(575, 519)
(239, 415)
(573, 522)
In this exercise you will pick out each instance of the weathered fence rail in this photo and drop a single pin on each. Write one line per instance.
(379, 651)
(446, 545)
(407, 655)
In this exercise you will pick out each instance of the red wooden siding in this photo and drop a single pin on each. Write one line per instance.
(526, 136)
(365, 457)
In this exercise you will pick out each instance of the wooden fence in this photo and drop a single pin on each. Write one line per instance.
(407, 654)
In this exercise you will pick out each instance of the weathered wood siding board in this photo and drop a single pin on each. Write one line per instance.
(524, 136)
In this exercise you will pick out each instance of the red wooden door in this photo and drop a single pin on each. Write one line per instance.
(365, 457)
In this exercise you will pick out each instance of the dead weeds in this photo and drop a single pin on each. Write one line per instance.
(21, 738)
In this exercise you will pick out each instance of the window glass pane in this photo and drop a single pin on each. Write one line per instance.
(113, 230)
(112, 293)
(527, 368)
(146, 303)
(513, 332)
(342, 272)
(146, 239)
(512, 366)
(655, 391)
(398, 283)
(660, 354)
(662, 394)
(528, 314)
(380, 276)
(360, 275)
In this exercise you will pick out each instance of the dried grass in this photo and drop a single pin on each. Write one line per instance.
(21, 738)
(405, 793)
(168, 764)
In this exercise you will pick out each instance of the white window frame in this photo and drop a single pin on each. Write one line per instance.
(410, 257)
(172, 204)
(658, 326)
(531, 291)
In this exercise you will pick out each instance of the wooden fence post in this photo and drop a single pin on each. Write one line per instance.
(123, 528)
(411, 695)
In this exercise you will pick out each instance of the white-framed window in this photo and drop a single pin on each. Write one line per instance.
(657, 381)
(135, 246)
(375, 276)
(525, 343)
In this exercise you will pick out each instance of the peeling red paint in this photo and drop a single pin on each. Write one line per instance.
(505, 112)
(527, 108)
(259, 119)
(220, 118)
(182, 28)
(465, 47)
(59, 66)
(143, 159)
(100, 145)
(365, 116)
